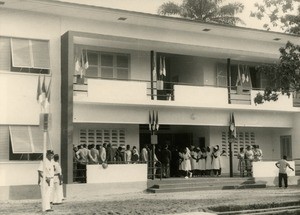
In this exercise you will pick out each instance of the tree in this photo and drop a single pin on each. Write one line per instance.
(280, 13)
(211, 11)
(284, 76)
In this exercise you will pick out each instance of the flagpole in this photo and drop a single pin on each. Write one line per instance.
(44, 168)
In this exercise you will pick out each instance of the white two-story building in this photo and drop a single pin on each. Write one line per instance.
(109, 68)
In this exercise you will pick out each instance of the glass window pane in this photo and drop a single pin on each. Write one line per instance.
(20, 53)
(107, 73)
(107, 60)
(122, 73)
(92, 72)
(122, 61)
(20, 139)
(40, 54)
(92, 58)
(37, 139)
(5, 53)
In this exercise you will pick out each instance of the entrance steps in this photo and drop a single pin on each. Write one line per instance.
(202, 183)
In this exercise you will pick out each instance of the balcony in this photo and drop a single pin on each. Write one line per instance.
(138, 92)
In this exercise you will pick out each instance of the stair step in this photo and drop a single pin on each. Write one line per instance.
(198, 188)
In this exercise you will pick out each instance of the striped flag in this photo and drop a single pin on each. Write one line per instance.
(48, 91)
(42, 95)
(86, 63)
(164, 72)
(39, 91)
(156, 121)
(232, 128)
(150, 121)
(160, 66)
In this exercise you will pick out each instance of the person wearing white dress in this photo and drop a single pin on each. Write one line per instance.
(208, 165)
(216, 161)
(185, 164)
(201, 162)
(194, 163)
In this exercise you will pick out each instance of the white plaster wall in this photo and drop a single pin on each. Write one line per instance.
(296, 136)
(117, 173)
(18, 173)
(25, 25)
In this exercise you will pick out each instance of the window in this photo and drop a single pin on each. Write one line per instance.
(286, 146)
(24, 55)
(99, 136)
(26, 143)
(242, 140)
(108, 65)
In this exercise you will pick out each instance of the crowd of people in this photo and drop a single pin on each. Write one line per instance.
(187, 161)
(53, 190)
(247, 157)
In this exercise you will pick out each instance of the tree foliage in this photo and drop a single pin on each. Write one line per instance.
(280, 13)
(212, 11)
(284, 76)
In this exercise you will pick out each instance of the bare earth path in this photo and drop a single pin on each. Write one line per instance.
(145, 203)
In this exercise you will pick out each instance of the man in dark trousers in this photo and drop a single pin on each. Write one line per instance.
(282, 165)
(165, 161)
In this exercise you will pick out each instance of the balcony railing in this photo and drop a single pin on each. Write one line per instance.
(181, 94)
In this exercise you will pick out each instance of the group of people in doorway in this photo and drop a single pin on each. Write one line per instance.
(200, 162)
(246, 158)
(50, 172)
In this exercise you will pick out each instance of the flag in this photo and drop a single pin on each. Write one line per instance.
(39, 91)
(48, 92)
(160, 66)
(42, 95)
(150, 121)
(232, 128)
(156, 121)
(164, 67)
(153, 121)
(86, 64)
(239, 79)
(77, 66)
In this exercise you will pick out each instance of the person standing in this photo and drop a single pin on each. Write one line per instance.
(216, 161)
(241, 164)
(57, 182)
(208, 161)
(282, 165)
(249, 156)
(128, 154)
(185, 164)
(83, 154)
(135, 155)
(48, 174)
(165, 157)
(93, 155)
(102, 153)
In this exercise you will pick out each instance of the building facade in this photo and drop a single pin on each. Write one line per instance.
(110, 68)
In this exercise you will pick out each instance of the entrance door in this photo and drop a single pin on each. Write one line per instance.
(286, 146)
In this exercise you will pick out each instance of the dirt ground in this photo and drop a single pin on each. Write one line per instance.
(167, 203)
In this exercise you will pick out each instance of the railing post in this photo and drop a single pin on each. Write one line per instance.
(229, 79)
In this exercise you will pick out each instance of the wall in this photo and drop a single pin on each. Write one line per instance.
(132, 132)
(25, 25)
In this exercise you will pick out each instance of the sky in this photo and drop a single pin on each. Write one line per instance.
(151, 6)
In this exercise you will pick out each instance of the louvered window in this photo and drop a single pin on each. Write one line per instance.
(99, 136)
(243, 139)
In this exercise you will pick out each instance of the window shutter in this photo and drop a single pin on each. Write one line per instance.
(20, 52)
(4, 143)
(5, 53)
(37, 139)
(20, 139)
(40, 54)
